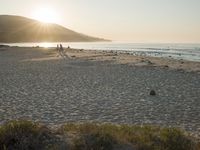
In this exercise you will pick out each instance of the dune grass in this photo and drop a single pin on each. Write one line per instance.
(102, 136)
(26, 135)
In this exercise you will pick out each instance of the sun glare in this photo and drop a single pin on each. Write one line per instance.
(46, 15)
(46, 45)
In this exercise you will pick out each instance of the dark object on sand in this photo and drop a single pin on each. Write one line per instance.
(166, 66)
(152, 93)
(149, 62)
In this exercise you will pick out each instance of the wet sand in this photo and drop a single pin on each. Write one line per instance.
(134, 59)
(40, 85)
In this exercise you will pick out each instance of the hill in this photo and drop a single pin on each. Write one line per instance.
(15, 29)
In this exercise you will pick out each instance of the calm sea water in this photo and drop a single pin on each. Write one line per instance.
(174, 51)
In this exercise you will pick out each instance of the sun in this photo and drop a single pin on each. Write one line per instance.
(46, 15)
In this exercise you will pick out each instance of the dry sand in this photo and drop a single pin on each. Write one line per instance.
(39, 84)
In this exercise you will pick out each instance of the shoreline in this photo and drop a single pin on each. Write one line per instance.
(177, 51)
(120, 57)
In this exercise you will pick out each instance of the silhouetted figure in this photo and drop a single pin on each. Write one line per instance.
(58, 48)
(61, 50)
(61, 47)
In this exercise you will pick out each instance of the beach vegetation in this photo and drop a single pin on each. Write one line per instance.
(25, 135)
(102, 136)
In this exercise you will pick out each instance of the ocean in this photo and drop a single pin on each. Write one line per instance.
(189, 52)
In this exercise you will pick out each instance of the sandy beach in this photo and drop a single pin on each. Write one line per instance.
(99, 86)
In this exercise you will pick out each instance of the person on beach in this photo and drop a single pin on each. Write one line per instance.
(62, 50)
(58, 47)
(61, 47)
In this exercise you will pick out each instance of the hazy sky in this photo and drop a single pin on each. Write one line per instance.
(122, 20)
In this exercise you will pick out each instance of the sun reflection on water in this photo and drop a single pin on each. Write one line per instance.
(46, 45)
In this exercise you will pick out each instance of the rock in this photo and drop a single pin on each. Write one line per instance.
(152, 93)
(166, 66)
(149, 62)
(142, 60)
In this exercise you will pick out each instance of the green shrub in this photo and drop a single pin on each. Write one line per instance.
(174, 139)
(17, 135)
(23, 135)
(140, 137)
(96, 141)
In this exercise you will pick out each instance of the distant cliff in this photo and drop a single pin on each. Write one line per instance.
(15, 29)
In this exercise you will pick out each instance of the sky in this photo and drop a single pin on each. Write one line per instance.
(139, 21)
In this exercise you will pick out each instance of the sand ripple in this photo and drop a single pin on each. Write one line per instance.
(56, 90)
